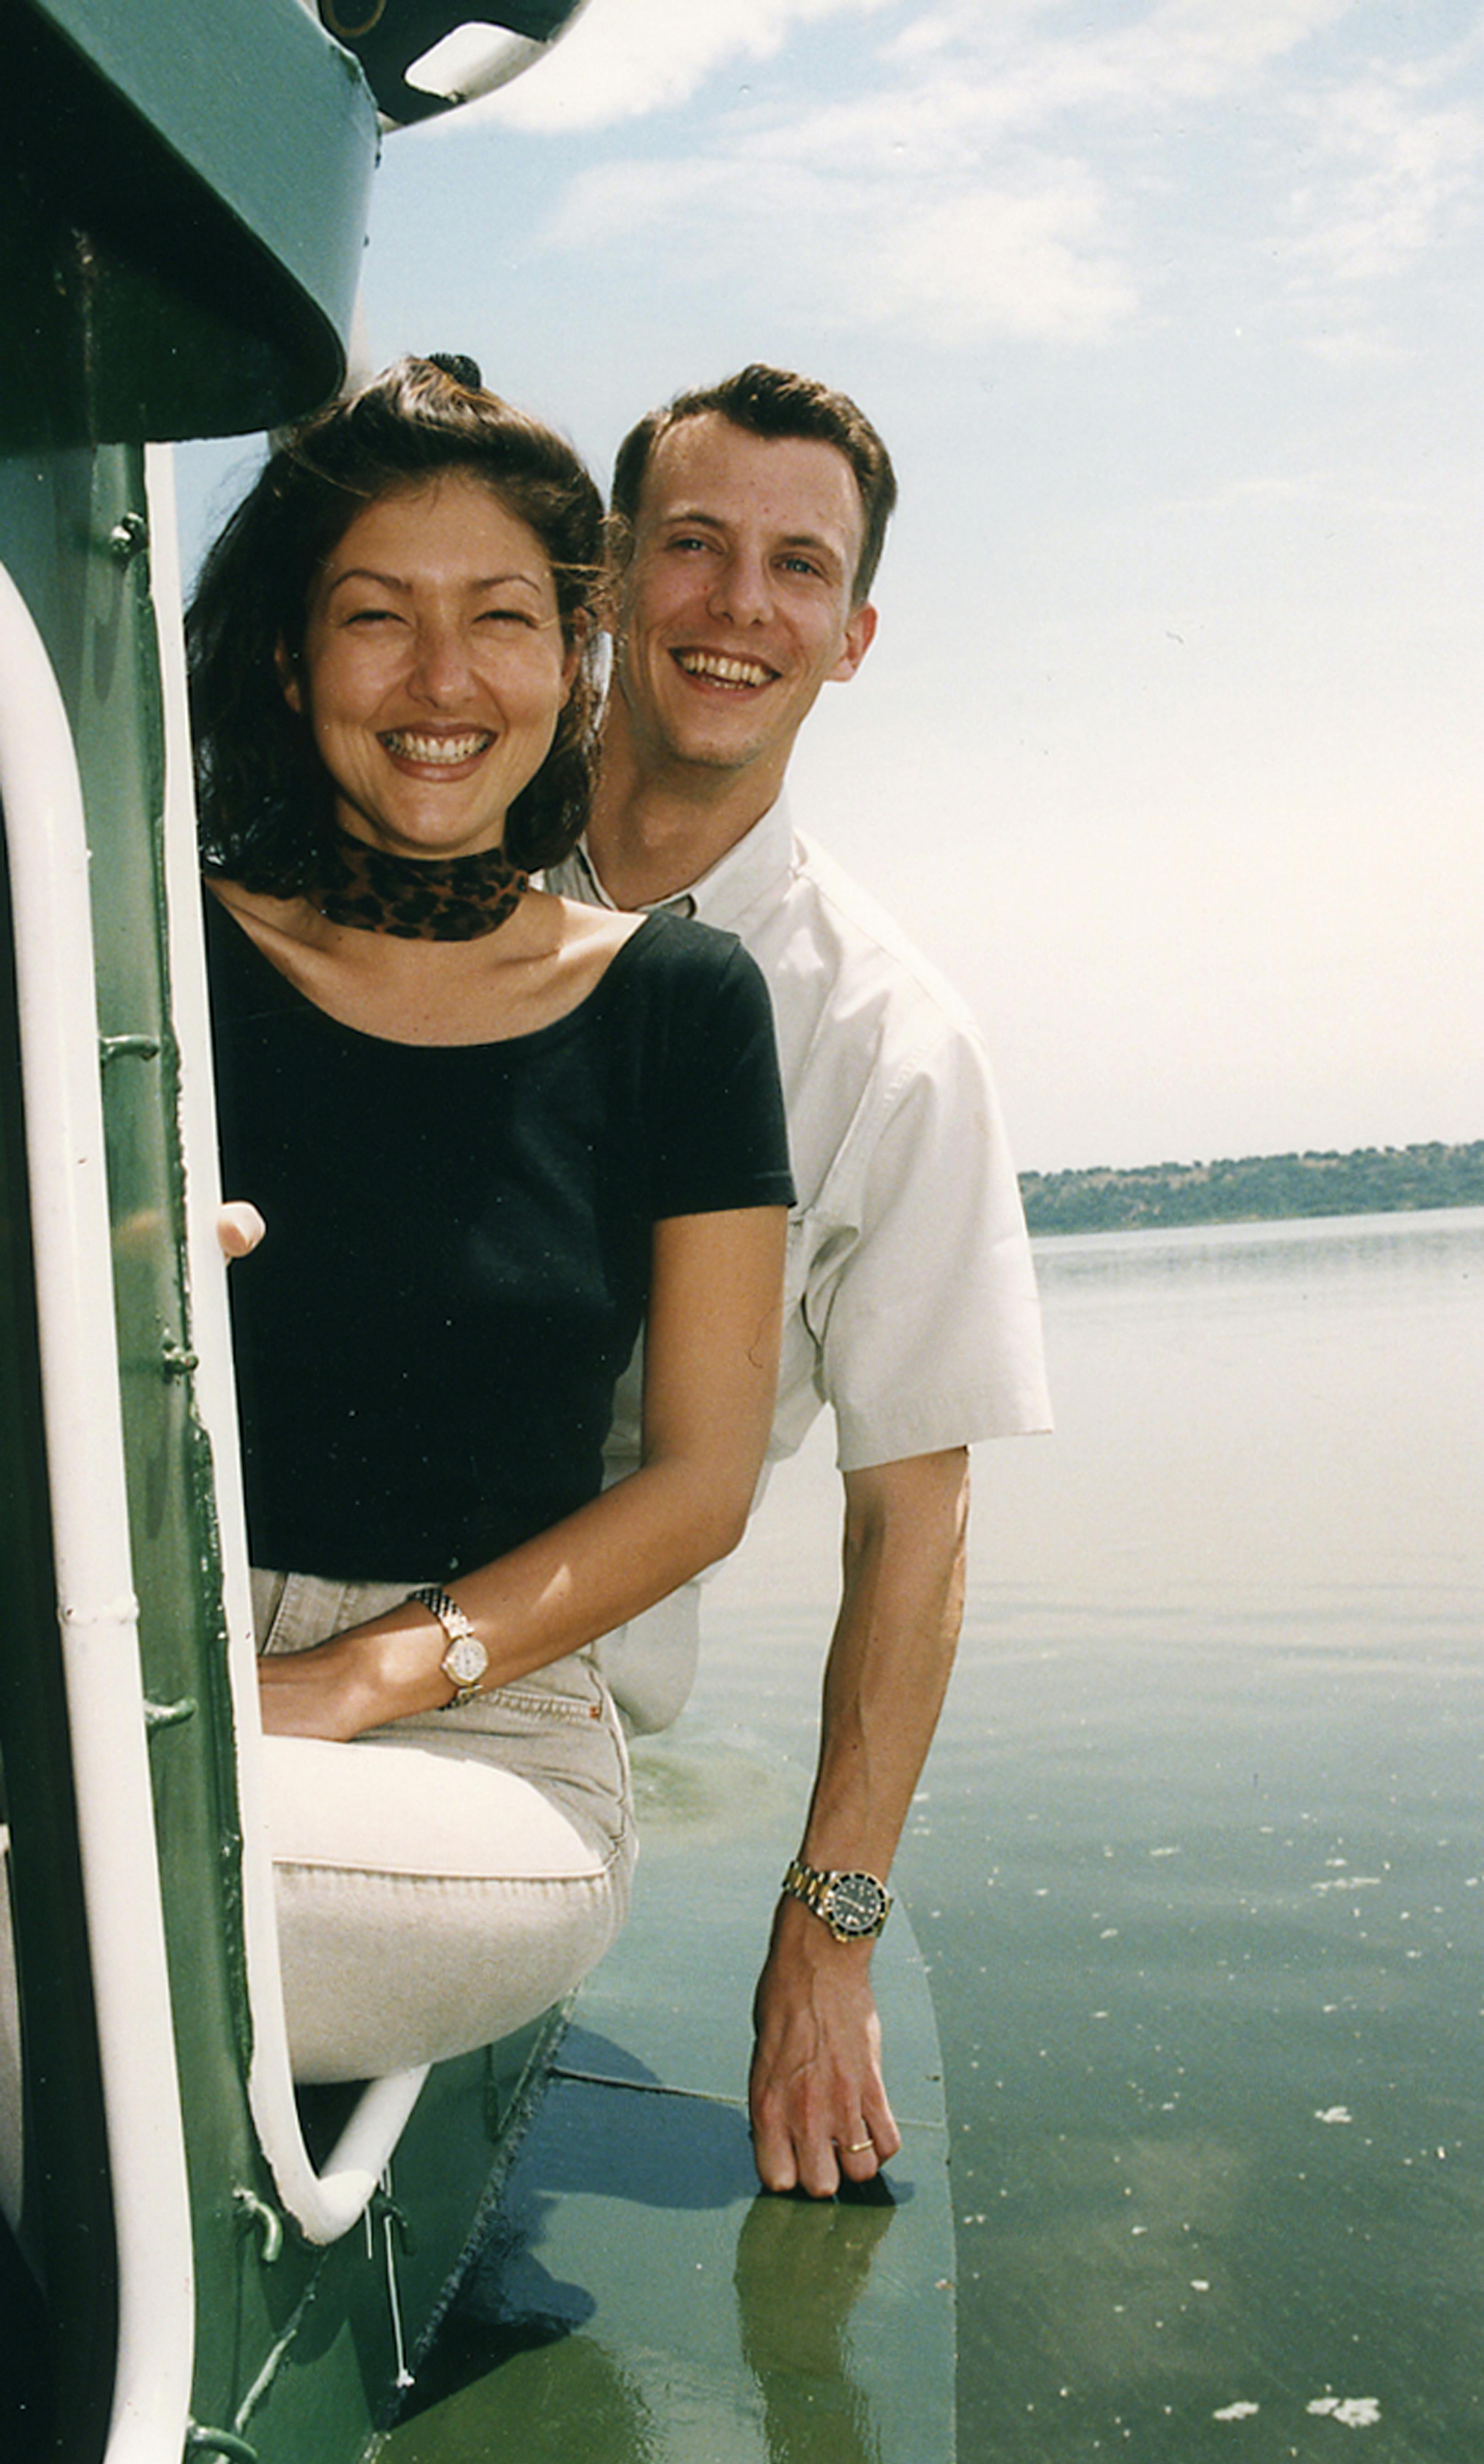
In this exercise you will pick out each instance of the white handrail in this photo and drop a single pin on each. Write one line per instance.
(96, 1614)
(323, 2205)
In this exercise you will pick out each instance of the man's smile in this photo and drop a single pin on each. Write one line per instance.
(718, 669)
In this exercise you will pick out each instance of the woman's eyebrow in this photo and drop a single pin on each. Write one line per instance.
(368, 573)
(404, 583)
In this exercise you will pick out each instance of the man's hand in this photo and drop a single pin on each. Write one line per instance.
(818, 2103)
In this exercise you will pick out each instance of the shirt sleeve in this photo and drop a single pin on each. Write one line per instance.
(719, 1139)
(925, 1309)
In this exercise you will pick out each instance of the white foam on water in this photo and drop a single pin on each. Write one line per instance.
(1352, 2412)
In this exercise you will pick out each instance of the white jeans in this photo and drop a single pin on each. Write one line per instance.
(439, 1881)
(443, 1879)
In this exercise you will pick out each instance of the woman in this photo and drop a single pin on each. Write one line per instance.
(488, 1131)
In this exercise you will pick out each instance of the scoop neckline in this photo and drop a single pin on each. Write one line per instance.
(294, 996)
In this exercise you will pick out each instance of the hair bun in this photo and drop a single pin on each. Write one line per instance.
(453, 363)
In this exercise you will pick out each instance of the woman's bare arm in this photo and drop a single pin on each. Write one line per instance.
(711, 1370)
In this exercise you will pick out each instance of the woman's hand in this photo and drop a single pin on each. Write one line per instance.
(239, 1228)
(384, 1669)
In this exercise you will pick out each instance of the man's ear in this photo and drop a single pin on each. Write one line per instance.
(572, 652)
(288, 671)
(618, 556)
(859, 634)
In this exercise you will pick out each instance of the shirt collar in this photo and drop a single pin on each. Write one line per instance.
(723, 894)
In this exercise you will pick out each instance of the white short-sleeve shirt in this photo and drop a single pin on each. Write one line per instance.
(909, 1297)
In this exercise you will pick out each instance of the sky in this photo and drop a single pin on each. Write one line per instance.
(1171, 313)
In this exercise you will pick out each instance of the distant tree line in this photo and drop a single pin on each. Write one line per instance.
(1251, 1189)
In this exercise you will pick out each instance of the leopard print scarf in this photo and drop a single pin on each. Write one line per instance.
(417, 899)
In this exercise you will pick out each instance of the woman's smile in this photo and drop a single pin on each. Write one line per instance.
(435, 751)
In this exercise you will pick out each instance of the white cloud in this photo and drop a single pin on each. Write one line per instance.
(1393, 173)
(1016, 169)
(625, 58)
(1178, 50)
(1033, 263)
(949, 260)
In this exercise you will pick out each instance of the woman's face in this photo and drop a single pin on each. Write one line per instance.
(433, 668)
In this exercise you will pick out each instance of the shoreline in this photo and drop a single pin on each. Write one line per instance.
(1255, 1188)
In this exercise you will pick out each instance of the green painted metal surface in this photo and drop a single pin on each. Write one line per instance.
(636, 2299)
(187, 194)
(185, 221)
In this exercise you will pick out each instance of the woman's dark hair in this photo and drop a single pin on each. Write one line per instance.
(264, 797)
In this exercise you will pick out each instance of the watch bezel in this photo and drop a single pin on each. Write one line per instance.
(816, 1887)
(854, 1925)
(465, 1661)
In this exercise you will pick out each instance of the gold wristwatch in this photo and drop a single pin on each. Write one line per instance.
(854, 1905)
(465, 1658)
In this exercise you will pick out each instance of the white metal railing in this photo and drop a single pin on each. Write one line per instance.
(323, 2205)
(96, 1614)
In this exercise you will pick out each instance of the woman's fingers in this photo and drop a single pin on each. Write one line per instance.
(239, 1227)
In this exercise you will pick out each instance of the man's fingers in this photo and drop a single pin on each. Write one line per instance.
(860, 2158)
(794, 2142)
(870, 2147)
(813, 2152)
(886, 2137)
(772, 2154)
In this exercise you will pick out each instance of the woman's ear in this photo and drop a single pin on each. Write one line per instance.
(287, 669)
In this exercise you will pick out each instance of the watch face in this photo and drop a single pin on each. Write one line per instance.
(855, 1903)
(465, 1661)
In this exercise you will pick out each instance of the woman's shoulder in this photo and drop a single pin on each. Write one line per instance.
(653, 948)
(681, 947)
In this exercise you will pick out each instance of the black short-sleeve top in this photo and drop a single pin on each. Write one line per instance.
(458, 1247)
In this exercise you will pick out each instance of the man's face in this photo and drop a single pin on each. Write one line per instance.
(736, 605)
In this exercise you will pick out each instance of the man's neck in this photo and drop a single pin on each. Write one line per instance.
(650, 838)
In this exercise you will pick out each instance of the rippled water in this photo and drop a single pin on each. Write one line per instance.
(1199, 1858)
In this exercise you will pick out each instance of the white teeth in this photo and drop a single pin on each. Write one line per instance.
(434, 749)
(723, 671)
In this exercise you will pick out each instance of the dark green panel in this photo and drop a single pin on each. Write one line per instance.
(186, 198)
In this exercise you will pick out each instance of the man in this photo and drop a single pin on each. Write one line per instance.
(750, 518)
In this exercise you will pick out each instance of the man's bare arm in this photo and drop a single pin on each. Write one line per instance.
(817, 2090)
